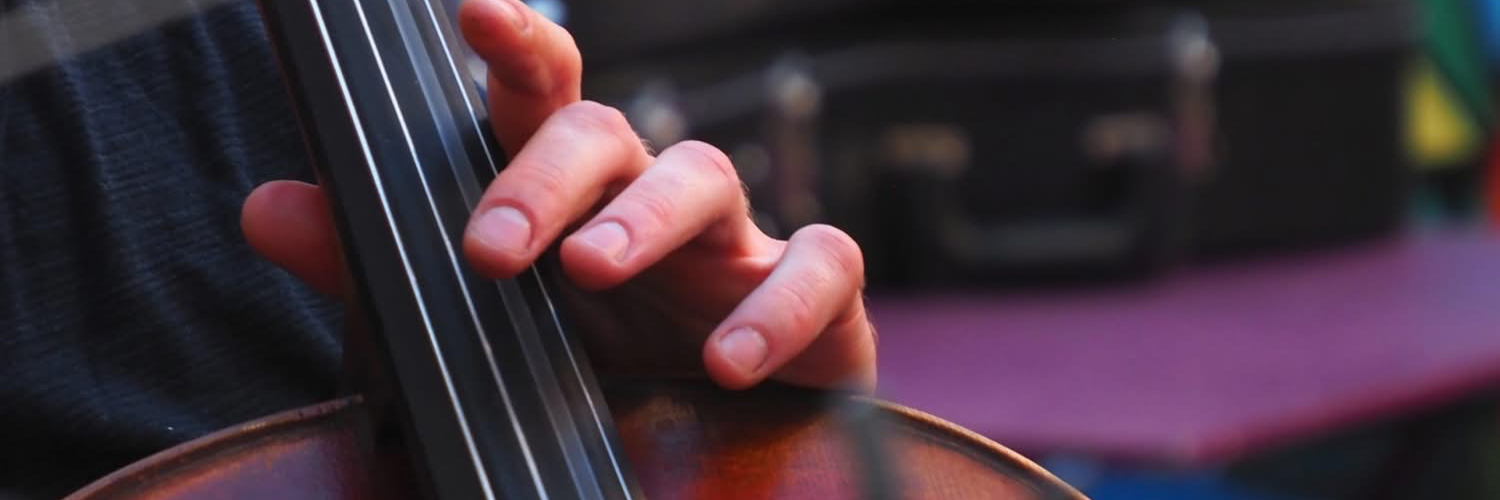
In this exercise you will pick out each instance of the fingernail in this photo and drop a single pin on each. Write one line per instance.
(609, 238)
(745, 348)
(505, 229)
(512, 14)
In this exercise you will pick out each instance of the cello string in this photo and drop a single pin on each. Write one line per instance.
(459, 81)
(588, 397)
(317, 10)
(452, 256)
(572, 364)
(476, 460)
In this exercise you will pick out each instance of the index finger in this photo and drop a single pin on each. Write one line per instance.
(534, 65)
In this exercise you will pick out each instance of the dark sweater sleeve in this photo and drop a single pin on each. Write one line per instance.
(134, 314)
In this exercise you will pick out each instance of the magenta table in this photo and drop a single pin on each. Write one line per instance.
(1209, 363)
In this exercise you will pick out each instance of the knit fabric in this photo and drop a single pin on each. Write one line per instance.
(134, 315)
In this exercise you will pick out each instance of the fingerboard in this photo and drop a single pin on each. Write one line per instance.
(499, 400)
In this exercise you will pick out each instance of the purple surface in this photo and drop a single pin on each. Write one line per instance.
(1208, 363)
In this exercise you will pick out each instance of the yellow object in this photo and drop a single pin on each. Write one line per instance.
(1439, 131)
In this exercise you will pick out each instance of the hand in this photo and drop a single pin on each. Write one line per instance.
(670, 272)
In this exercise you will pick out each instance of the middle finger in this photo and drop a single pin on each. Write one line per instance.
(690, 193)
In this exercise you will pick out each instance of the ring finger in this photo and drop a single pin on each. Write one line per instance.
(690, 193)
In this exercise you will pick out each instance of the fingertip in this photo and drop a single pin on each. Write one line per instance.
(720, 366)
(491, 261)
(590, 266)
(252, 206)
(288, 223)
(811, 310)
(269, 206)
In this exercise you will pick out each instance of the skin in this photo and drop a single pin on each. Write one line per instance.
(669, 273)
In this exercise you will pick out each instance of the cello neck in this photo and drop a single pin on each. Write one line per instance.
(497, 399)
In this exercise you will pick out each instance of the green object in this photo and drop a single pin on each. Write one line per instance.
(1451, 40)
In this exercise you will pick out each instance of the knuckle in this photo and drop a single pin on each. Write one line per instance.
(589, 117)
(711, 158)
(540, 176)
(841, 251)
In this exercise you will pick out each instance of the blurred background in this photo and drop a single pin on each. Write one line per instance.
(1195, 249)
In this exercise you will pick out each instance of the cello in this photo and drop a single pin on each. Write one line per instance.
(465, 387)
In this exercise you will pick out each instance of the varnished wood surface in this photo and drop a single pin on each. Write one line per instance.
(684, 440)
(311, 452)
(691, 441)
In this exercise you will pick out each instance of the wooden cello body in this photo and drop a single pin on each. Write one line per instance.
(469, 388)
(686, 441)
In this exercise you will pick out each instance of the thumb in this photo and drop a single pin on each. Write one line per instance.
(289, 223)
